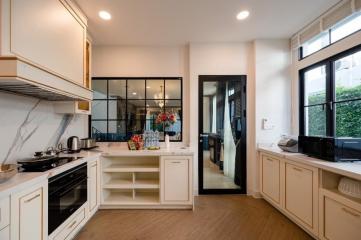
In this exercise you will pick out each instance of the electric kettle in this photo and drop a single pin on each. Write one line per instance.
(74, 144)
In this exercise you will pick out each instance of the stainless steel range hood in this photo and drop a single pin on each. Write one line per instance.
(20, 77)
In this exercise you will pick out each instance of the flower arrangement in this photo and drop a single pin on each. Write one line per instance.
(167, 118)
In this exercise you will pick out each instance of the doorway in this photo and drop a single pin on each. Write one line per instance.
(222, 134)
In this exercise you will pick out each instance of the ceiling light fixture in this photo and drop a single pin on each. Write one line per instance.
(105, 15)
(134, 93)
(243, 15)
(148, 87)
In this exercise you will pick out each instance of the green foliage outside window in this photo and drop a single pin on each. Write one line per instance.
(348, 114)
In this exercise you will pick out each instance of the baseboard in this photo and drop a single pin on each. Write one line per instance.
(254, 194)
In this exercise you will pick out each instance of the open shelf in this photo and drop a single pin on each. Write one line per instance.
(119, 184)
(127, 198)
(146, 184)
(128, 184)
(130, 181)
(131, 168)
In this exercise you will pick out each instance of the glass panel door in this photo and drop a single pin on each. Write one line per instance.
(222, 134)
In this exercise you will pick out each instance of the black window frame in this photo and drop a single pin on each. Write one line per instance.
(330, 103)
(329, 31)
(145, 99)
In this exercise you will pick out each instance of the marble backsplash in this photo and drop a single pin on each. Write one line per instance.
(29, 124)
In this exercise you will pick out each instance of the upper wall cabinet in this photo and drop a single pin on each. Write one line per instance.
(43, 49)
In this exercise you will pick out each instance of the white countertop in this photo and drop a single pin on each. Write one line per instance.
(26, 179)
(349, 169)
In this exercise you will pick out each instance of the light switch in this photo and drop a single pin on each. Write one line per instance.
(266, 124)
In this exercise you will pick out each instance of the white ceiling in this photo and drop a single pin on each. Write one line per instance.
(174, 22)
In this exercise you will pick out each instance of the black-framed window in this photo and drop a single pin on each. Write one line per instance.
(330, 96)
(122, 107)
(337, 32)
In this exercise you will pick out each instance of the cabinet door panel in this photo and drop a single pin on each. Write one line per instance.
(271, 178)
(31, 216)
(340, 221)
(299, 193)
(176, 180)
(47, 34)
(93, 188)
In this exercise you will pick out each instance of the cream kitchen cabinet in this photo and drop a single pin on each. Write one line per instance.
(301, 194)
(43, 49)
(292, 188)
(176, 179)
(271, 178)
(93, 186)
(4, 212)
(29, 212)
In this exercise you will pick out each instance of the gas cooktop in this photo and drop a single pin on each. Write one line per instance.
(44, 163)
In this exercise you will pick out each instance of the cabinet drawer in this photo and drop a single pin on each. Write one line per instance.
(271, 178)
(299, 193)
(4, 212)
(340, 221)
(71, 226)
(5, 233)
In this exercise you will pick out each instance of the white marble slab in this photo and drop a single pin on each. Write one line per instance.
(349, 169)
(29, 124)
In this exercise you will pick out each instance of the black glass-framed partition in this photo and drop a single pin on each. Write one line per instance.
(122, 107)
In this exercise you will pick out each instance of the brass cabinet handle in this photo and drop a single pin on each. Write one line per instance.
(72, 224)
(31, 199)
(176, 162)
(269, 159)
(350, 212)
(297, 169)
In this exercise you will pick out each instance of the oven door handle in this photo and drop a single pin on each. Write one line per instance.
(67, 188)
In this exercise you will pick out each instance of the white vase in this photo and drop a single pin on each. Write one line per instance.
(167, 142)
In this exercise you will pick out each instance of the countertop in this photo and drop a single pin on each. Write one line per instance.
(349, 169)
(22, 180)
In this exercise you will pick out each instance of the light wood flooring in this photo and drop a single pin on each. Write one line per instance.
(213, 178)
(216, 217)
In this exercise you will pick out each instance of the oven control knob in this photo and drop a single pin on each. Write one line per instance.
(53, 165)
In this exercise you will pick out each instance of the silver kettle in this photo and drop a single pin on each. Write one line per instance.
(74, 144)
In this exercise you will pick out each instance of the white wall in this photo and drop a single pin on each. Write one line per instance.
(222, 59)
(145, 61)
(273, 92)
(273, 89)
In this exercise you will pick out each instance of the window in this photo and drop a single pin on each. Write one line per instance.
(330, 100)
(125, 106)
(346, 27)
(340, 30)
(315, 44)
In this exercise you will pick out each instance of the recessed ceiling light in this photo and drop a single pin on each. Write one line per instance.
(134, 93)
(243, 15)
(148, 87)
(105, 15)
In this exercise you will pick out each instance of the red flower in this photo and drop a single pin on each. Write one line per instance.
(164, 117)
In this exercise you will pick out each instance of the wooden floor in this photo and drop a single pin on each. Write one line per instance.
(214, 217)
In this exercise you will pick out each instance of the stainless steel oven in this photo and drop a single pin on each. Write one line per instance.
(67, 193)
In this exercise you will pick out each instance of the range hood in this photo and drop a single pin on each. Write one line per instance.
(20, 77)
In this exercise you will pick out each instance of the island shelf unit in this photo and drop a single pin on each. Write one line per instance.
(138, 181)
